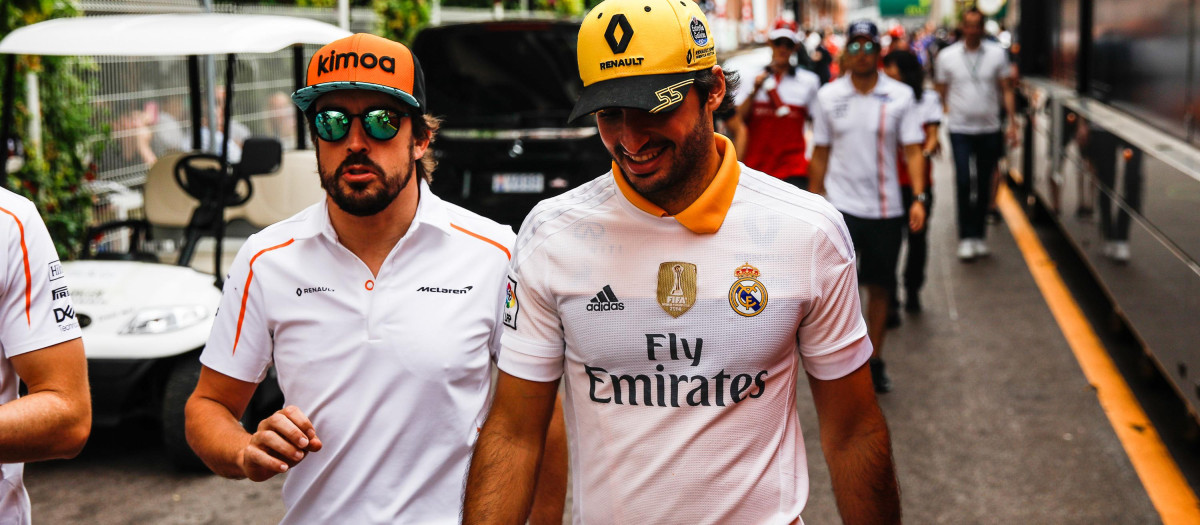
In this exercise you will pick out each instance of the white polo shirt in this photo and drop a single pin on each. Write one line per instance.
(973, 90)
(35, 312)
(680, 338)
(393, 370)
(864, 131)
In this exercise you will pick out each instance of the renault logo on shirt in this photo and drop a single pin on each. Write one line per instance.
(313, 289)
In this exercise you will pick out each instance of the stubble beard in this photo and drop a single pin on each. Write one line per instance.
(682, 174)
(357, 198)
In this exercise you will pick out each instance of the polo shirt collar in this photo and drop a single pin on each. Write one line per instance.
(431, 211)
(708, 212)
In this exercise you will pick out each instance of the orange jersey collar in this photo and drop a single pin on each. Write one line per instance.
(706, 214)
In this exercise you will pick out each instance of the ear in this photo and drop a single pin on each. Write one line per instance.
(718, 92)
(419, 144)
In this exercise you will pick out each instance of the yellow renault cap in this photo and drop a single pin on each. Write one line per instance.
(641, 54)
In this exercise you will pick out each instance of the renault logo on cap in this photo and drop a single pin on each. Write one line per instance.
(610, 34)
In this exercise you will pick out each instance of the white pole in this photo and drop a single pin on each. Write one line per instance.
(35, 115)
(344, 14)
(435, 16)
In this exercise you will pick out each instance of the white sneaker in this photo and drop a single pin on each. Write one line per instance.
(981, 248)
(1120, 251)
(966, 249)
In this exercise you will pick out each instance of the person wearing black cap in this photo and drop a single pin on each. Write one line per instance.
(379, 308)
(679, 297)
(863, 120)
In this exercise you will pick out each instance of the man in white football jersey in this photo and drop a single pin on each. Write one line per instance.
(679, 296)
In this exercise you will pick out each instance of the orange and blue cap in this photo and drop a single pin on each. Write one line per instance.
(367, 62)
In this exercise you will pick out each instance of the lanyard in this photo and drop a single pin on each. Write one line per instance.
(973, 65)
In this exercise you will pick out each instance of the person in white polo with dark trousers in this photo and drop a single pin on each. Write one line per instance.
(864, 121)
(973, 78)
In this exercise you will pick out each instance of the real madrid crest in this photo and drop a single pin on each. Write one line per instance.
(676, 287)
(747, 296)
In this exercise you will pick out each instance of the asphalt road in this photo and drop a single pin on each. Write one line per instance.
(123, 477)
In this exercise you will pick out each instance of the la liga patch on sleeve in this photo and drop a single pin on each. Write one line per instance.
(511, 306)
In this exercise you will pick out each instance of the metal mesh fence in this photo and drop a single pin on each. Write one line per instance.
(142, 109)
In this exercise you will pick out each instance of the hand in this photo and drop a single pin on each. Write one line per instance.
(760, 79)
(282, 441)
(916, 216)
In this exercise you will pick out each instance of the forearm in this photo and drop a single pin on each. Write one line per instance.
(508, 453)
(54, 419)
(216, 436)
(816, 169)
(500, 483)
(550, 495)
(915, 159)
(49, 424)
(863, 475)
(1010, 101)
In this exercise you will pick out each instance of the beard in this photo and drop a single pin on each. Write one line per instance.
(684, 162)
(363, 199)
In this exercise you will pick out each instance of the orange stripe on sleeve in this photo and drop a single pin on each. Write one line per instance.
(246, 292)
(25, 257)
(484, 239)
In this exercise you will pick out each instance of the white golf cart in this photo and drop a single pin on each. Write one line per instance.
(145, 322)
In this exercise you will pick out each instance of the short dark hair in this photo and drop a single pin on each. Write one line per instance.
(706, 81)
(972, 11)
(422, 126)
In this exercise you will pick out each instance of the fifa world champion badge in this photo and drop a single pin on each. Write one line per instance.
(676, 287)
(747, 296)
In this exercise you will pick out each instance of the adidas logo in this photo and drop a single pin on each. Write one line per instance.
(605, 301)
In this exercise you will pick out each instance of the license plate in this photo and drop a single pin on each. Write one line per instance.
(518, 183)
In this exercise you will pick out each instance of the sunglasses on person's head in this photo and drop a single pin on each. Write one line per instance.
(380, 124)
(858, 48)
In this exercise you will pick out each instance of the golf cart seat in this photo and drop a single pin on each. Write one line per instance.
(277, 195)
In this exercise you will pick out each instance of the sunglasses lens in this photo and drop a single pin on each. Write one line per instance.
(382, 124)
(854, 48)
(332, 125)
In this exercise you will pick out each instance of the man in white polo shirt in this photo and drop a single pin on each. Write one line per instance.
(40, 345)
(679, 296)
(380, 308)
(863, 119)
(973, 77)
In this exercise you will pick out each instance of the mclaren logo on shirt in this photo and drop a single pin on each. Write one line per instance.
(605, 301)
(435, 289)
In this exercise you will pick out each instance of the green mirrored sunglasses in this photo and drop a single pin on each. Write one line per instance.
(860, 47)
(380, 124)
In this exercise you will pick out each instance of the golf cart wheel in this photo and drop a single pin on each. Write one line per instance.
(180, 384)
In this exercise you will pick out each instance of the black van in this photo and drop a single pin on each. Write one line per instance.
(504, 90)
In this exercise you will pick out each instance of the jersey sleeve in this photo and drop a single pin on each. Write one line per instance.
(931, 101)
(1005, 68)
(36, 310)
(912, 123)
(822, 127)
(240, 345)
(940, 73)
(532, 346)
(833, 335)
(501, 303)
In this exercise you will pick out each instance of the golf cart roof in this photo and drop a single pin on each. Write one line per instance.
(168, 35)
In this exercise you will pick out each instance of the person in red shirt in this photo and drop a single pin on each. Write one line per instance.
(776, 109)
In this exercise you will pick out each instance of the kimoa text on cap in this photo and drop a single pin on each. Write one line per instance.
(335, 61)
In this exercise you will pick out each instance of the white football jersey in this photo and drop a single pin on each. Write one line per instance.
(680, 339)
